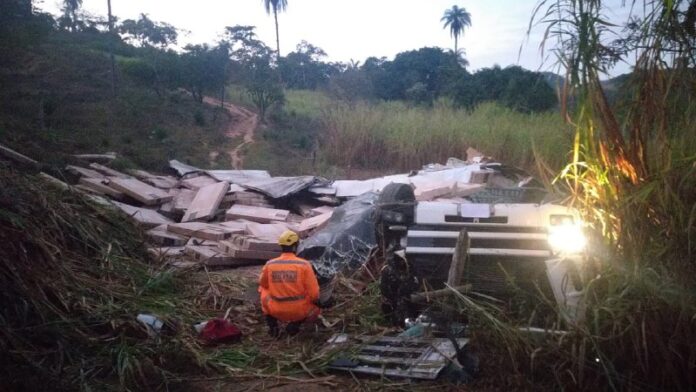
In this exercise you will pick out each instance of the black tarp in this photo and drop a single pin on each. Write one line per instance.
(347, 240)
(279, 187)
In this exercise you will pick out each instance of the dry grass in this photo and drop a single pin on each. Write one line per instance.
(73, 276)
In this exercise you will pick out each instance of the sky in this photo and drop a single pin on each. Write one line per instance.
(357, 29)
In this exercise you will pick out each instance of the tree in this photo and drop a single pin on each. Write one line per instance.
(252, 60)
(203, 68)
(153, 38)
(303, 68)
(275, 6)
(148, 33)
(70, 18)
(433, 67)
(457, 19)
(111, 47)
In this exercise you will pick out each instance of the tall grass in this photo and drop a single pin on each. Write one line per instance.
(396, 136)
(73, 277)
(632, 173)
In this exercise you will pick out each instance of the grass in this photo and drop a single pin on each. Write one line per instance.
(56, 101)
(393, 135)
(73, 277)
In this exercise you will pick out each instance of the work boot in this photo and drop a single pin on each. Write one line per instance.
(273, 329)
(293, 328)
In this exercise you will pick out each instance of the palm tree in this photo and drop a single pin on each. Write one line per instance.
(456, 19)
(70, 8)
(275, 6)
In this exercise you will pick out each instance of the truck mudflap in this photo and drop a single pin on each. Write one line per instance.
(564, 280)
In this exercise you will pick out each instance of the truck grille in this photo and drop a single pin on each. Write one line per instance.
(498, 255)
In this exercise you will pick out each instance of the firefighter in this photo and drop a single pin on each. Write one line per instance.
(289, 288)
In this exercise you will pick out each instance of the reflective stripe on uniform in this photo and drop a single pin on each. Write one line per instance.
(287, 262)
(287, 299)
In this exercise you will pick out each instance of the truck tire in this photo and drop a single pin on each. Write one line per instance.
(398, 198)
(396, 193)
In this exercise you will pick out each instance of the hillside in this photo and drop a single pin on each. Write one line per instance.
(458, 272)
(56, 100)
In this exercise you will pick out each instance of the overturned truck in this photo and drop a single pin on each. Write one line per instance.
(514, 241)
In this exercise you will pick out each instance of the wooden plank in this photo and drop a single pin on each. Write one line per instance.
(201, 230)
(250, 199)
(161, 236)
(205, 204)
(17, 157)
(199, 242)
(463, 189)
(143, 216)
(84, 172)
(240, 226)
(162, 182)
(257, 214)
(96, 185)
(246, 242)
(183, 199)
(107, 157)
(108, 171)
(322, 210)
(313, 223)
(140, 191)
(54, 180)
(269, 230)
(208, 255)
(167, 252)
(198, 182)
(430, 192)
(461, 253)
(232, 249)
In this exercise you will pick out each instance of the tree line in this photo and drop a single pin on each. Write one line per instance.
(148, 53)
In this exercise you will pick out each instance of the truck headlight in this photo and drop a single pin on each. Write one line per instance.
(566, 235)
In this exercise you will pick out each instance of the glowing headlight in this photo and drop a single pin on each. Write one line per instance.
(565, 236)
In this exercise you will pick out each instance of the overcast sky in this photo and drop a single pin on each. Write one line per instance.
(357, 29)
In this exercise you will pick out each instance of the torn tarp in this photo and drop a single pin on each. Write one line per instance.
(347, 240)
(239, 177)
(181, 168)
(278, 187)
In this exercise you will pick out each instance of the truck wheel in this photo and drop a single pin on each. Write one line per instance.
(396, 193)
(397, 202)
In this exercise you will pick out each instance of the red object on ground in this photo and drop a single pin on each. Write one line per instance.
(220, 331)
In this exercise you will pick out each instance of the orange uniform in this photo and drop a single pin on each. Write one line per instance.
(289, 289)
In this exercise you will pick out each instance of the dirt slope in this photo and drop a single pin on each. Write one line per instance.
(243, 124)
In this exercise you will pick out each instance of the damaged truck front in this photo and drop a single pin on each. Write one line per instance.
(518, 246)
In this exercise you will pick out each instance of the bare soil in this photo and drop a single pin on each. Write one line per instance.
(243, 124)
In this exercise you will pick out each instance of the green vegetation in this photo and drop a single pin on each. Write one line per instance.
(62, 104)
(394, 136)
(632, 174)
(74, 277)
(334, 137)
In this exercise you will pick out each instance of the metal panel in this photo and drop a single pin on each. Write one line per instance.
(396, 356)
(479, 251)
(477, 235)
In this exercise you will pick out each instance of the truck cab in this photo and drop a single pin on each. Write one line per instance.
(512, 248)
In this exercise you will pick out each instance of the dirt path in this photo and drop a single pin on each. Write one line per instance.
(243, 124)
